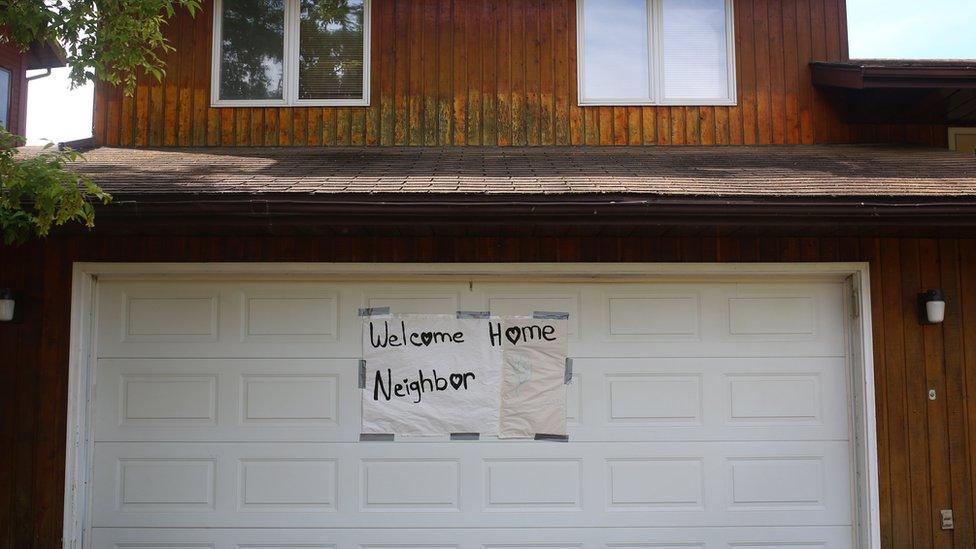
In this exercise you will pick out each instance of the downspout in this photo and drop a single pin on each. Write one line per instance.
(47, 72)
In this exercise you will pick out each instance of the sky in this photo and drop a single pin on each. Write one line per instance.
(899, 29)
(912, 29)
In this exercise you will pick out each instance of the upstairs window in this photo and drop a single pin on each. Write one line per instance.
(655, 52)
(291, 52)
(5, 84)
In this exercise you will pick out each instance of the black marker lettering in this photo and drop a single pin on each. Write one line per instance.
(423, 379)
(531, 332)
(375, 340)
(417, 387)
(440, 383)
(495, 333)
(378, 385)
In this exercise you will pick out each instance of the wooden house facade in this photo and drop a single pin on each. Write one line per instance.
(751, 366)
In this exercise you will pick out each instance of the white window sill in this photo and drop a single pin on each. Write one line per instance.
(683, 103)
(258, 104)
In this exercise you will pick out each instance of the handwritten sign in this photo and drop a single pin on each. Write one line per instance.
(429, 374)
(533, 390)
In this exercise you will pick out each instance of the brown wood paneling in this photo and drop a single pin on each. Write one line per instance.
(926, 451)
(502, 72)
(14, 61)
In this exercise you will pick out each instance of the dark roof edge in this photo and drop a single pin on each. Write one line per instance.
(361, 210)
(46, 54)
(871, 73)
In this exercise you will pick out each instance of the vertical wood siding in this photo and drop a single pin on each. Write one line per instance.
(12, 59)
(926, 454)
(503, 72)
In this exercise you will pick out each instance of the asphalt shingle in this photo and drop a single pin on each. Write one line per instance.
(774, 171)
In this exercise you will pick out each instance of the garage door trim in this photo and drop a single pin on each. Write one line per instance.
(77, 499)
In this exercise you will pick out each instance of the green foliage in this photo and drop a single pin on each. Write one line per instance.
(111, 40)
(37, 192)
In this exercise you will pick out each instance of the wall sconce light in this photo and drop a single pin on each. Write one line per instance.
(931, 306)
(9, 301)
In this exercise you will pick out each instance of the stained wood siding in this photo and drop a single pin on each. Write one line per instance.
(12, 59)
(926, 454)
(503, 72)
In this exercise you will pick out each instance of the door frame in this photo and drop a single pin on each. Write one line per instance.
(85, 276)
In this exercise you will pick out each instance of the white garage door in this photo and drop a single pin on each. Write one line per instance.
(702, 414)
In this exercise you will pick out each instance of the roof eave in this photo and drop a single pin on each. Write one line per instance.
(47, 54)
(587, 209)
(894, 74)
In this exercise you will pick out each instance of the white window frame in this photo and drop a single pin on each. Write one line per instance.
(655, 46)
(955, 132)
(290, 65)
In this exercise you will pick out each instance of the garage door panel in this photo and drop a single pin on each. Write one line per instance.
(790, 311)
(637, 315)
(194, 319)
(308, 319)
(471, 484)
(525, 538)
(227, 399)
(711, 399)
(641, 320)
(655, 483)
(165, 484)
(526, 299)
(715, 319)
(308, 313)
(400, 301)
(642, 398)
(625, 399)
(408, 484)
(533, 484)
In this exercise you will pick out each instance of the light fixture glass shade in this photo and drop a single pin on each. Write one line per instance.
(935, 311)
(7, 310)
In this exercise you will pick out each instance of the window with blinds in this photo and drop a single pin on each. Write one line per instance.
(291, 52)
(330, 49)
(656, 52)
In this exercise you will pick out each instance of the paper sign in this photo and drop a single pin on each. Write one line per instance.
(439, 374)
(533, 399)
(429, 375)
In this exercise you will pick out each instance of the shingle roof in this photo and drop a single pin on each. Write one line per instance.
(778, 171)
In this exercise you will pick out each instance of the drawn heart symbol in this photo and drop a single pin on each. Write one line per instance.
(512, 334)
(426, 338)
(457, 380)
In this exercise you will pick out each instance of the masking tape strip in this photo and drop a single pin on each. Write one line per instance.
(375, 437)
(474, 314)
(550, 315)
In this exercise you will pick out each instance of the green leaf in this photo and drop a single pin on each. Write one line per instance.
(107, 40)
(38, 192)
